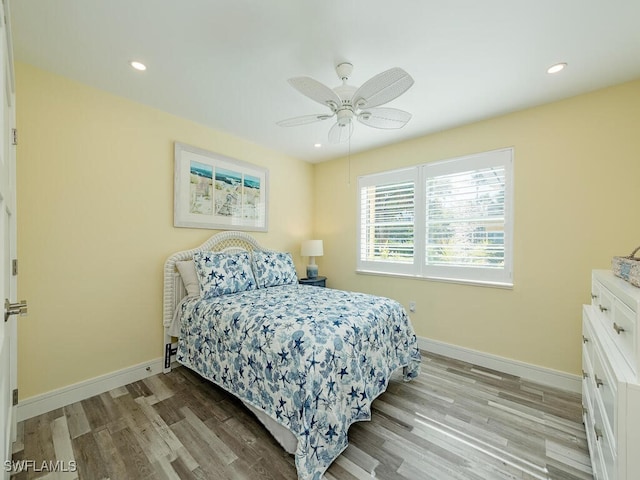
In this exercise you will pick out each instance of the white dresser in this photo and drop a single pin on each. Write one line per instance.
(610, 385)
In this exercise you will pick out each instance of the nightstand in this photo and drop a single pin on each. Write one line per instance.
(317, 282)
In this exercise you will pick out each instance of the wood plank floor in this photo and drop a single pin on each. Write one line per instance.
(455, 421)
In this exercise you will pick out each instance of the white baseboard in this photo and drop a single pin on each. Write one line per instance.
(36, 405)
(534, 373)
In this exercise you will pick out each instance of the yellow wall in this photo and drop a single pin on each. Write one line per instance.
(95, 224)
(576, 168)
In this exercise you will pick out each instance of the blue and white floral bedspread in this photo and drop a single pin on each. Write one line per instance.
(312, 358)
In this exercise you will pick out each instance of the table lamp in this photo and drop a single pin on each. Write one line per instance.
(312, 249)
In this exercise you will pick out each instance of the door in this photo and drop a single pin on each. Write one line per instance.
(8, 330)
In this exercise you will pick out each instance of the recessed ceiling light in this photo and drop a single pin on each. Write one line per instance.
(317, 145)
(556, 68)
(138, 66)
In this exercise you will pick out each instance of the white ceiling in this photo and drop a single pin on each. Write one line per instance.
(225, 64)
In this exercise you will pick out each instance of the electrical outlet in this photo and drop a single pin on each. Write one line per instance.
(412, 306)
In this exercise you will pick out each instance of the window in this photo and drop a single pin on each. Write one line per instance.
(387, 214)
(448, 220)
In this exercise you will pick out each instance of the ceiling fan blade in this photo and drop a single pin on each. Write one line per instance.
(384, 117)
(340, 133)
(382, 88)
(316, 91)
(303, 120)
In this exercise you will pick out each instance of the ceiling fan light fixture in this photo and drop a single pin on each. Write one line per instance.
(344, 70)
(344, 116)
(340, 133)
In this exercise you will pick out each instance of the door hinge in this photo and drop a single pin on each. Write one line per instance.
(15, 397)
(14, 136)
(14, 267)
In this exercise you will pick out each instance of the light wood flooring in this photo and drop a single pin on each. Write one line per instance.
(455, 421)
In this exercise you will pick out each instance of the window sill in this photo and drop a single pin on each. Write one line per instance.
(477, 283)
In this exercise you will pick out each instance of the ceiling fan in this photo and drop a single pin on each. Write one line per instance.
(347, 102)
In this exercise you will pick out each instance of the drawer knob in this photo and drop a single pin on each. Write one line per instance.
(602, 309)
(598, 432)
(593, 296)
(585, 374)
(617, 328)
(584, 410)
(585, 339)
(599, 382)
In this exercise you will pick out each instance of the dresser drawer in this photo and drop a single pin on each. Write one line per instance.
(624, 327)
(596, 287)
(595, 448)
(595, 441)
(587, 386)
(587, 402)
(588, 339)
(605, 445)
(616, 304)
(605, 390)
(604, 304)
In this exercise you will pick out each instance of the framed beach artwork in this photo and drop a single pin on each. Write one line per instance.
(218, 192)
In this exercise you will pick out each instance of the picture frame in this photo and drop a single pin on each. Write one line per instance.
(217, 192)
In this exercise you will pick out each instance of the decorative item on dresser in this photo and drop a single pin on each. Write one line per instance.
(610, 385)
(627, 267)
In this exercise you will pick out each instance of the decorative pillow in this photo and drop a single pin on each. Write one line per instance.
(223, 273)
(189, 276)
(274, 269)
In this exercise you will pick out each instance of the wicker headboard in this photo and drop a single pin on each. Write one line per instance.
(174, 290)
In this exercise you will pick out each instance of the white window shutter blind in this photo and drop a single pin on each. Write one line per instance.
(468, 210)
(466, 218)
(387, 214)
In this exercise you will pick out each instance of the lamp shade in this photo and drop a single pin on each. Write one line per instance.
(312, 248)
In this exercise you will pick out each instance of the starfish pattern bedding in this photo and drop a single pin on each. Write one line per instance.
(312, 358)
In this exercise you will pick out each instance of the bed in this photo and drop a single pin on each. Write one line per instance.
(308, 361)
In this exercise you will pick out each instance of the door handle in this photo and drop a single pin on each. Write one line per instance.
(18, 308)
